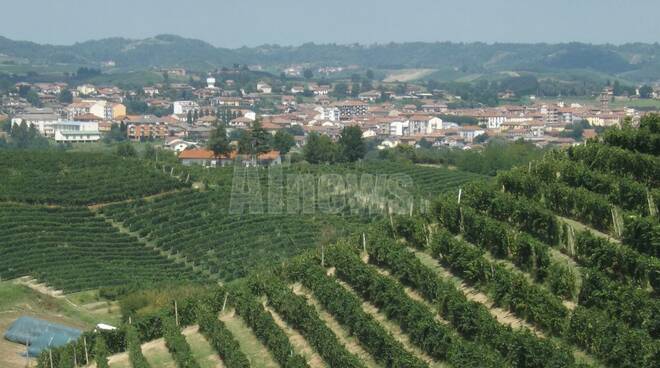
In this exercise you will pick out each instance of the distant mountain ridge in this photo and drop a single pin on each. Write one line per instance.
(636, 61)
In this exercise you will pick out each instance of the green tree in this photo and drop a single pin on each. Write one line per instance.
(116, 134)
(261, 139)
(218, 142)
(370, 74)
(125, 150)
(320, 149)
(308, 73)
(645, 91)
(245, 143)
(33, 98)
(340, 90)
(283, 141)
(189, 117)
(65, 96)
(352, 144)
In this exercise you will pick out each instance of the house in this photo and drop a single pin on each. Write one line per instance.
(370, 96)
(178, 145)
(434, 108)
(323, 90)
(201, 133)
(178, 72)
(297, 89)
(264, 159)
(205, 157)
(229, 101)
(86, 89)
(264, 87)
(151, 91)
(470, 132)
(183, 107)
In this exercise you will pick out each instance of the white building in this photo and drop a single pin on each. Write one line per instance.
(86, 89)
(182, 107)
(327, 113)
(264, 88)
(41, 119)
(210, 82)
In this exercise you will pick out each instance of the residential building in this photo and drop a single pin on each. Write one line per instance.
(352, 109)
(86, 89)
(205, 157)
(183, 107)
(146, 127)
(264, 87)
(76, 132)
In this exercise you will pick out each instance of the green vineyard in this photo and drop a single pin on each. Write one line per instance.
(56, 177)
(71, 249)
(554, 264)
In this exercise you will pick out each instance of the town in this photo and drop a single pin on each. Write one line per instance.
(182, 116)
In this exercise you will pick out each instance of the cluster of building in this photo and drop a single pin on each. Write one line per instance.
(404, 118)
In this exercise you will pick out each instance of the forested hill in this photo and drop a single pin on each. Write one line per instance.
(636, 61)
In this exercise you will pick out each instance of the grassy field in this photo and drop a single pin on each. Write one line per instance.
(407, 75)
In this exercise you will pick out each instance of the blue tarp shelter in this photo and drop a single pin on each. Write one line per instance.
(40, 334)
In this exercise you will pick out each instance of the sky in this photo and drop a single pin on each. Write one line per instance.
(236, 23)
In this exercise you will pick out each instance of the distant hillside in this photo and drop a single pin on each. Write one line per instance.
(636, 62)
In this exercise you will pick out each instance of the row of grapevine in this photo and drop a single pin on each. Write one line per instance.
(577, 203)
(641, 167)
(631, 305)
(221, 339)
(471, 319)
(199, 227)
(177, 345)
(642, 234)
(304, 318)
(494, 236)
(436, 339)
(507, 288)
(527, 216)
(471, 265)
(619, 261)
(615, 343)
(347, 309)
(57, 177)
(620, 190)
(264, 327)
(134, 346)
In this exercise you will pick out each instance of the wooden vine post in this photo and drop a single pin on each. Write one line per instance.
(85, 345)
(176, 313)
(224, 303)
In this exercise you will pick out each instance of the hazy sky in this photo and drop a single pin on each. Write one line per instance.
(234, 23)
